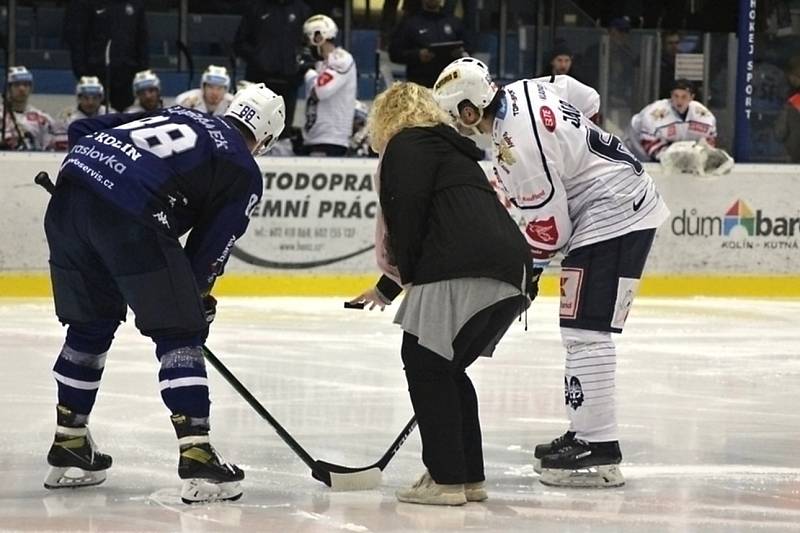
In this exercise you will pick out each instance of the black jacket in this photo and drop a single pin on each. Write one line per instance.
(270, 37)
(443, 218)
(421, 30)
(89, 24)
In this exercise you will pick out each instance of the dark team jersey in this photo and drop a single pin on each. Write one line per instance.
(176, 170)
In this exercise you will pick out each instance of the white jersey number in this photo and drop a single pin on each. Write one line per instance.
(164, 140)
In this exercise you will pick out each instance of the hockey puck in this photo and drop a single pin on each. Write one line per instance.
(356, 305)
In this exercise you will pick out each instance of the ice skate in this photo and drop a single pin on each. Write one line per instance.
(73, 458)
(426, 491)
(205, 474)
(475, 492)
(553, 446)
(584, 464)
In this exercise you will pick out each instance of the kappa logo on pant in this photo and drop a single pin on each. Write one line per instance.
(573, 392)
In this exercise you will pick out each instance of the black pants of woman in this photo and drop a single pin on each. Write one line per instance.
(444, 399)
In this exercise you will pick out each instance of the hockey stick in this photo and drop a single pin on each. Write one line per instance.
(337, 477)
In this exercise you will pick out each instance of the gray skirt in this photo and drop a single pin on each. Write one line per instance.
(436, 312)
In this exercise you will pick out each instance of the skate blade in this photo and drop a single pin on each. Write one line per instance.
(206, 491)
(65, 477)
(605, 476)
(537, 465)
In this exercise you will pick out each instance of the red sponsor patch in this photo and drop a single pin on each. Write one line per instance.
(543, 231)
(548, 118)
(324, 78)
(698, 126)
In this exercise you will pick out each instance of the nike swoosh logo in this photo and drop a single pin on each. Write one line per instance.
(265, 16)
(100, 11)
(423, 30)
(637, 205)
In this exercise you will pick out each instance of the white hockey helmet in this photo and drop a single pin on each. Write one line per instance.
(243, 84)
(216, 75)
(19, 74)
(262, 112)
(89, 85)
(145, 79)
(467, 79)
(320, 28)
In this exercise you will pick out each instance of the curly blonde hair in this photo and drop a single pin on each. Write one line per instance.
(403, 105)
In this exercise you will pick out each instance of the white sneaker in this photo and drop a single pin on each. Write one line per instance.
(475, 492)
(426, 491)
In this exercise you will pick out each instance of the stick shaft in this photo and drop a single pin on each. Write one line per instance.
(398, 442)
(260, 409)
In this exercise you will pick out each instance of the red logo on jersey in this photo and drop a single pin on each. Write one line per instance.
(548, 118)
(324, 78)
(543, 231)
(698, 126)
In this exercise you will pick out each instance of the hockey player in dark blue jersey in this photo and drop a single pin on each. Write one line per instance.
(129, 187)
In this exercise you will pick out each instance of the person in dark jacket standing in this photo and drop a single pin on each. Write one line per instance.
(427, 41)
(89, 27)
(270, 39)
(444, 237)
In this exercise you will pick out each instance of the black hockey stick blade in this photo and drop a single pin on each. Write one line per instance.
(368, 477)
(43, 179)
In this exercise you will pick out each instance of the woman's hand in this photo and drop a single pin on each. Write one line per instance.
(371, 297)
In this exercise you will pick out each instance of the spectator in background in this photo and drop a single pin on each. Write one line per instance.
(560, 61)
(389, 17)
(89, 25)
(147, 90)
(269, 39)
(89, 93)
(212, 96)
(787, 128)
(331, 89)
(669, 49)
(677, 118)
(623, 61)
(426, 42)
(24, 126)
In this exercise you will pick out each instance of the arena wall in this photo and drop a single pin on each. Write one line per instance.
(736, 235)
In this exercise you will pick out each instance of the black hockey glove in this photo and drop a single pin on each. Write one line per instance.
(534, 288)
(210, 305)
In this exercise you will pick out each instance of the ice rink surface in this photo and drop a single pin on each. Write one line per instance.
(708, 395)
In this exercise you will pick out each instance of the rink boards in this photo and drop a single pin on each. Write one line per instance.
(312, 233)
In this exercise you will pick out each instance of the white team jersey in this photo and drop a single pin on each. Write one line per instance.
(65, 118)
(586, 99)
(34, 126)
(331, 89)
(574, 183)
(193, 99)
(658, 125)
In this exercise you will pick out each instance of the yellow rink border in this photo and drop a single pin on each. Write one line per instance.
(28, 285)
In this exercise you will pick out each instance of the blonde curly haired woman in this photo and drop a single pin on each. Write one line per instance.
(445, 239)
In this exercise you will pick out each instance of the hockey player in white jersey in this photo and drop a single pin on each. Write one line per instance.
(212, 97)
(89, 93)
(673, 119)
(25, 127)
(584, 195)
(147, 90)
(331, 89)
